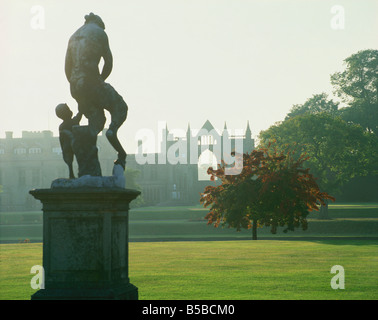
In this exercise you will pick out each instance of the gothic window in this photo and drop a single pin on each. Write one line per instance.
(57, 150)
(206, 159)
(35, 150)
(20, 151)
(207, 140)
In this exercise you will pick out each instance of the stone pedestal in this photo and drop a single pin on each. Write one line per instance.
(85, 243)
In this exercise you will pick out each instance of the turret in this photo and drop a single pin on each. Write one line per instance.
(249, 143)
(248, 132)
(188, 141)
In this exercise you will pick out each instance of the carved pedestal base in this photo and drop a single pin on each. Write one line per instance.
(85, 243)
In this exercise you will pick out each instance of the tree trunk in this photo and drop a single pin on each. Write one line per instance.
(323, 212)
(254, 229)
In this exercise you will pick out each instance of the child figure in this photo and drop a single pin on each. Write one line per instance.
(65, 133)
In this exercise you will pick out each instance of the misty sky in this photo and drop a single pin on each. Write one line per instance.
(181, 61)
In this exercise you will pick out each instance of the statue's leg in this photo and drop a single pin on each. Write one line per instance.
(96, 120)
(66, 138)
(70, 168)
(85, 140)
(68, 157)
(111, 134)
(118, 110)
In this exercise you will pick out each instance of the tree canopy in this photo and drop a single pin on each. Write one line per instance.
(357, 86)
(273, 190)
(318, 103)
(337, 151)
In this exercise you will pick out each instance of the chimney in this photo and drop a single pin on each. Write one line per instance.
(8, 134)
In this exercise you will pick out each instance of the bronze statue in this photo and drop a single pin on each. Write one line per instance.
(88, 87)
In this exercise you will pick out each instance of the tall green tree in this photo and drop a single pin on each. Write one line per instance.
(273, 190)
(357, 86)
(337, 151)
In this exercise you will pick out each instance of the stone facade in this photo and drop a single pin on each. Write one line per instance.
(35, 159)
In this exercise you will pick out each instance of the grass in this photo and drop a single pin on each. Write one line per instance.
(182, 223)
(16, 261)
(246, 270)
(193, 270)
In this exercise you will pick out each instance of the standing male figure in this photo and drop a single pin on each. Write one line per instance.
(85, 49)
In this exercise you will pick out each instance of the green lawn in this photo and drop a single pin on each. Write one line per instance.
(266, 269)
(183, 223)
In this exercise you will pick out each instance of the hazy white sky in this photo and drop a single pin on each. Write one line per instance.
(181, 61)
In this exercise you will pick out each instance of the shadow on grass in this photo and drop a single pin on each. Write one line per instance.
(363, 241)
(358, 241)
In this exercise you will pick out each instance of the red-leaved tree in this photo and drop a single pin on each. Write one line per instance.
(272, 190)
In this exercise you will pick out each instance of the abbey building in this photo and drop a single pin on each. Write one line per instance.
(175, 175)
